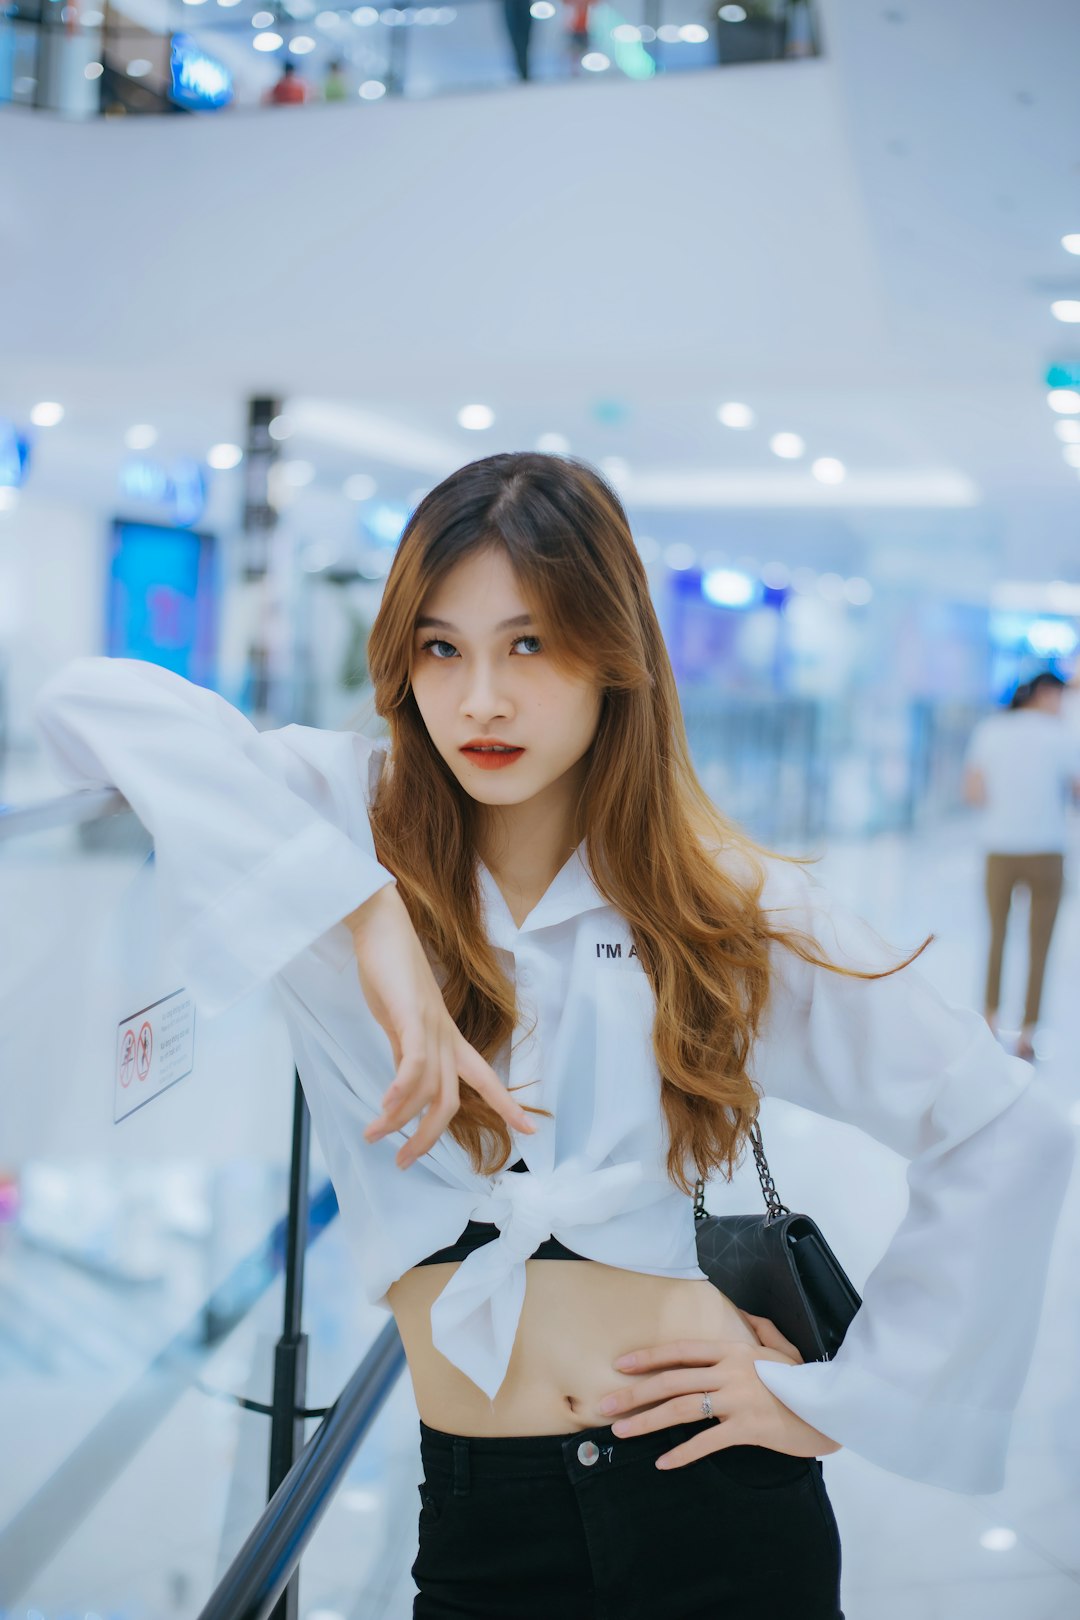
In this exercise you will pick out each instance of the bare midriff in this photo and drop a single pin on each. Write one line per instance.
(578, 1316)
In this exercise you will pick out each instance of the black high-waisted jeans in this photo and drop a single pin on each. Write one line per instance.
(586, 1527)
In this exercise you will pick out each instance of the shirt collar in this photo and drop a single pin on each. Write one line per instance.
(570, 892)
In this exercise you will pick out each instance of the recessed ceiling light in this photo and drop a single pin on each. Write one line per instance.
(1066, 309)
(788, 445)
(1068, 430)
(223, 457)
(47, 414)
(734, 415)
(1071, 243)
(553, 444)
(827, 470)
(1066, 401)
(999, 1539)
(475, 416)
(141, 436)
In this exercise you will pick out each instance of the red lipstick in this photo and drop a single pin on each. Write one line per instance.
(490, 754)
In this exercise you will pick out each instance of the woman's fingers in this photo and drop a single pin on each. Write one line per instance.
(770, 1335)
(646, 1392)
(440, 1112)
(680, 1353)
(482, 1077)
(427, 1078)
(409, 1090)
(680, 1409)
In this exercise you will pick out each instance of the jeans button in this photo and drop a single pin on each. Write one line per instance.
(587, 1453)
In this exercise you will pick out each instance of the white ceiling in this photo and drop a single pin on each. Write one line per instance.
(864, 248)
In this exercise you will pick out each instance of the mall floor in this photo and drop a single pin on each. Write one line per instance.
(910, 1552)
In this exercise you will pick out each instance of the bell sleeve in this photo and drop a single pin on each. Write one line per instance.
(933, 1364)
(262, 844)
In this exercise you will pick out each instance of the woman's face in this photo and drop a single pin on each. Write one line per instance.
(481, 676)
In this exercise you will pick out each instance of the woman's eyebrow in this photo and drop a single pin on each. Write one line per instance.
(426, 623)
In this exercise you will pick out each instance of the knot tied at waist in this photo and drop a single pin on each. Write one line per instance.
(474, 1319)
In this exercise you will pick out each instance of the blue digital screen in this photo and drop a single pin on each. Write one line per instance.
(162, 598)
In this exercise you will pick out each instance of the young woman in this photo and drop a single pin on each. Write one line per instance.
(535, 985)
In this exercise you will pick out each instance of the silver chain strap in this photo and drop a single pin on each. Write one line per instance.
(768, 1186)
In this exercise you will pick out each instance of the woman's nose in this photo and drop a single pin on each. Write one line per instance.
(485, 701)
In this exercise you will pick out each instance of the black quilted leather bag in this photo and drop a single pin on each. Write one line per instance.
(778, 1265)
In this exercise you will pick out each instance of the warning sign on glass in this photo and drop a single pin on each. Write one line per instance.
(155, 1048)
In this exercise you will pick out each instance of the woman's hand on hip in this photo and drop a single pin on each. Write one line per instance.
(431, 1053)
(668, 1381)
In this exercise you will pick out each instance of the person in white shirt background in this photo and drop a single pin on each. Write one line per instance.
(1023, 772)
(524, 931)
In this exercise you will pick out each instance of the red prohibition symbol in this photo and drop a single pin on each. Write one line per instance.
(144, 1051)
(127, 1057)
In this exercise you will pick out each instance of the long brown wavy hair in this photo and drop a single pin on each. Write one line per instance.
(652, 836)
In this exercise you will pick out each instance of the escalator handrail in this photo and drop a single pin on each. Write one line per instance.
(262, 1568)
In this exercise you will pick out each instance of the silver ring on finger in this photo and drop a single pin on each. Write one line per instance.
(706, 1408)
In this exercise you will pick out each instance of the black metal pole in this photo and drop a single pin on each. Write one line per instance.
(290, 1354)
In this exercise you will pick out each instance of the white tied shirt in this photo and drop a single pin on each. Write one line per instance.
(1029, 760)
(263, 845)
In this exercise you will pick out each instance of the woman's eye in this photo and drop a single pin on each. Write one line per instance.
(439, 649)
(530, 644)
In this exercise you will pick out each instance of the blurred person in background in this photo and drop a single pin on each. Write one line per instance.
(334, 85)
(1022, 771)
(518, 16)
(289, 90)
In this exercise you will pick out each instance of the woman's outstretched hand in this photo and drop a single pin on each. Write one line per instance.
(430, 1052)
(669, 1380)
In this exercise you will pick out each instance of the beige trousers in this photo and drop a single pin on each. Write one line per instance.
(1043, 875)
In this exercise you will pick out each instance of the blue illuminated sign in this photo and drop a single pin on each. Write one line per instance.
(199, 81)
(14, 456)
